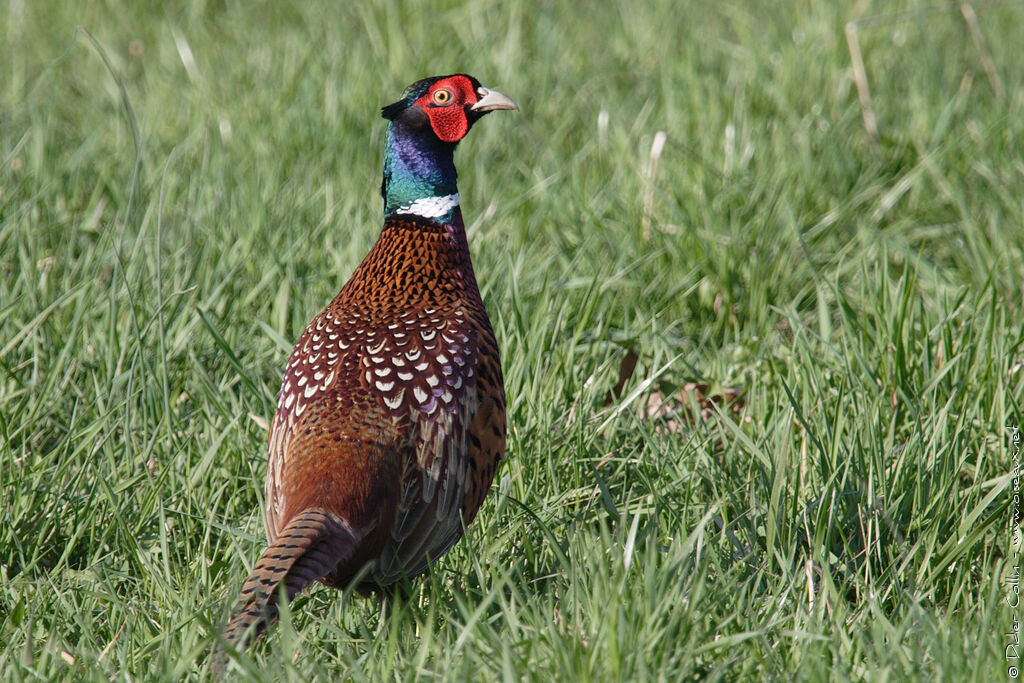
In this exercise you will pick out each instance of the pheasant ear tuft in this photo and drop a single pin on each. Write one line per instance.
(408, 97)
(394, 109)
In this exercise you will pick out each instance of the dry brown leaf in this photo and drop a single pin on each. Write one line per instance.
(627, 366)
(674, 408)
(677, 410)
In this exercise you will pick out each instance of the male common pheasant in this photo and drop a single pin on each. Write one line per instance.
(391, 417)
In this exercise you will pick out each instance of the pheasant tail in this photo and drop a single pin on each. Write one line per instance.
(309, 547)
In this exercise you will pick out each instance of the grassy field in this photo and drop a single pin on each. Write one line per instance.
(183, 185)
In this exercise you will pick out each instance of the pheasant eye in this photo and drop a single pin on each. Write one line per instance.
(442, 96)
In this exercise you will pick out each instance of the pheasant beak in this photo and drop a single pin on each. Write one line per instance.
(491, 100)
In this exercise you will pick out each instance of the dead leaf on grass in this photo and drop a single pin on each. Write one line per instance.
(675, 406)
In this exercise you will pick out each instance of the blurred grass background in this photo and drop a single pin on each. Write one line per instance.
(183, 185)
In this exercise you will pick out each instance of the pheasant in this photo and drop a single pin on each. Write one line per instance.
(390, 423)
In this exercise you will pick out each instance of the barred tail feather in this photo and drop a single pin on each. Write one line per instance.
(308, 548)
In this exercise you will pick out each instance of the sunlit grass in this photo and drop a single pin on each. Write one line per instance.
(851, 521)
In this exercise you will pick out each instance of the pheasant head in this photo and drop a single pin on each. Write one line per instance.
(426, 125)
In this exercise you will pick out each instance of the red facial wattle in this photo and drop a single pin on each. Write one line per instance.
(449, 120)
(449, 123)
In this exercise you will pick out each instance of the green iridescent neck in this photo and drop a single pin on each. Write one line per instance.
(417, 166)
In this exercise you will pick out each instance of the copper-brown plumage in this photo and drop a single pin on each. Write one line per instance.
(391, 417)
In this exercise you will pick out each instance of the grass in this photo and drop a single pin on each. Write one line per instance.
(183, 185)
